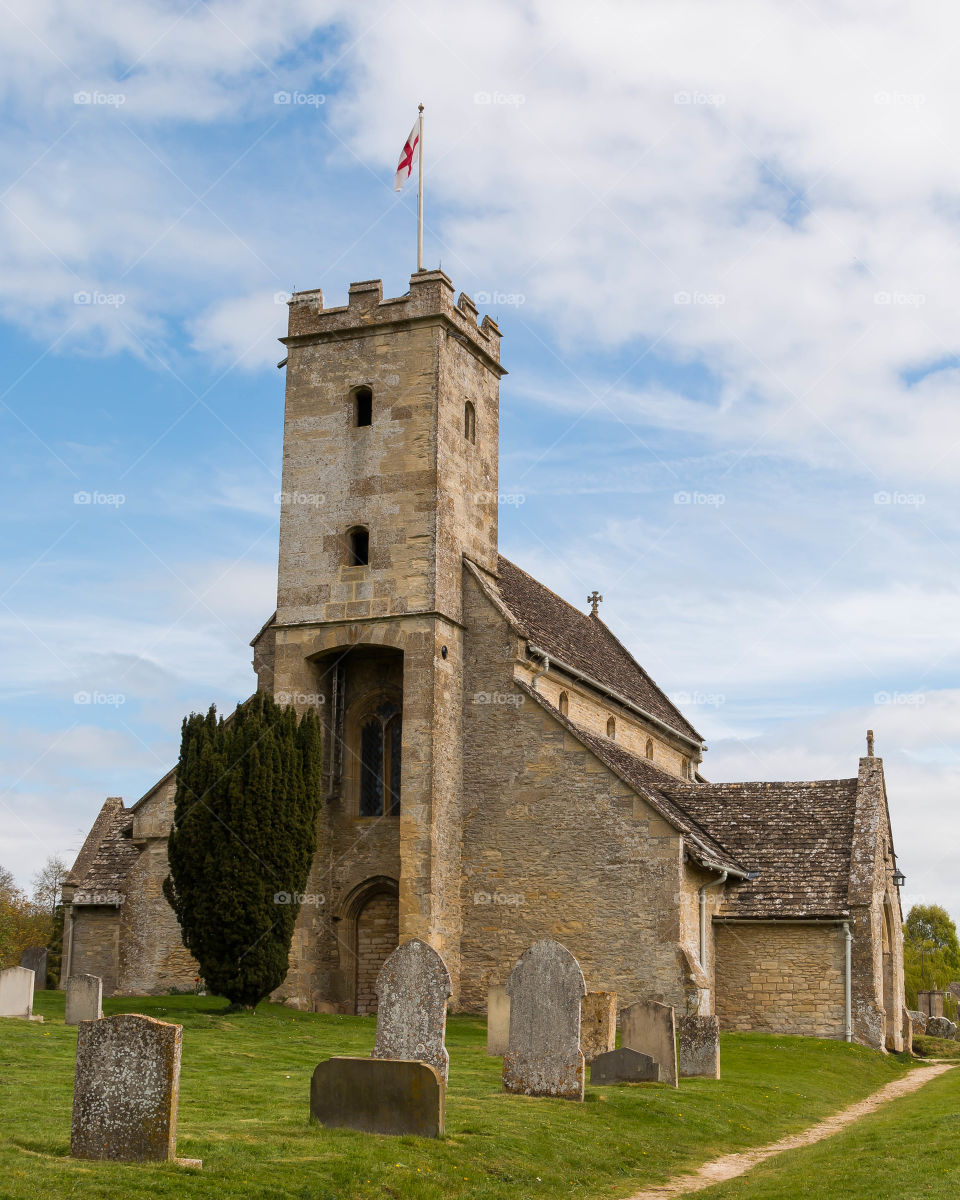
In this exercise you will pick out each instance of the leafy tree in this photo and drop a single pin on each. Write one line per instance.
(243, 838)
(931, 950)
(22, 924)
(48, 883)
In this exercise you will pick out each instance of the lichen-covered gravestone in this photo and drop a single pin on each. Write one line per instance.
(16, 993)
(546, 988)
(34, 958)
(650, 1028)
(84, 999)
(598, 1024)
(125, 1089)
(699, 1039)
(498, 1019)
(412, 992)
(941, 1027)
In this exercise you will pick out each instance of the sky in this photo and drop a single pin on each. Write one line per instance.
(721, 242)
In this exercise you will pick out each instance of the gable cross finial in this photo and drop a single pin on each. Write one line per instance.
(594, 600)
(869, 743)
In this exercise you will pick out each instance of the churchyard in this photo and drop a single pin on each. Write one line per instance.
(244, 1111)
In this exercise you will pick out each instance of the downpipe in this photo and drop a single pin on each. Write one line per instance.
(848, 984)
(702, 893)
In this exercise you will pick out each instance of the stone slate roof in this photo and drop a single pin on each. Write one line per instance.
(100, 871)
(798, 836)
(649, 781)
(584, 642)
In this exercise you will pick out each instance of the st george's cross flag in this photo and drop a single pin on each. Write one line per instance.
(411, 153)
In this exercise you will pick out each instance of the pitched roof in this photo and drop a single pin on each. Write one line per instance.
(101, 877)
(649, 781)
(798, 836)
(583, 642)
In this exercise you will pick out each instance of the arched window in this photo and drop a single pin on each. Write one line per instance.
(380, 738)
(564, 704)
(469, 422)
(648, 749)
(358, 546)
(611, 727)
(686, 768)
(362, 406)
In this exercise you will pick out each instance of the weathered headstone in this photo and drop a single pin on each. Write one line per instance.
(649, 1027)
(498, 1019)
(544, 1059)
(907, 1032)
(598, 1024)
(125, 1089)
(624, 1066)
(16, 993)
(919, 1022)
(84, 999)
(394, 1096)
(412, 992)
(699, 1053)
(940, 1027)
(34, 958)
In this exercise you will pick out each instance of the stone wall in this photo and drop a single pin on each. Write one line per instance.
(377, 938)
(780, 978)
(95, 944)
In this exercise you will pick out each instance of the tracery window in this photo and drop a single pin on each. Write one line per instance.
(380, 737)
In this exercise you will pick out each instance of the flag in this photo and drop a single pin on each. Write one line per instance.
(411, 152)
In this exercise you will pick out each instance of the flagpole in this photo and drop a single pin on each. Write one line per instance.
(420, 195)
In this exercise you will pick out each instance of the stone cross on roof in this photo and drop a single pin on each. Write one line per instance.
(594, 600)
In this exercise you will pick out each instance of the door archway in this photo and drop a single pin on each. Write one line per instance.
(373, 917)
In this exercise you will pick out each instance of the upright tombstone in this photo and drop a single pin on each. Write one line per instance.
(413, 988)
(598, 1024)
(907, 1032)
(498, 1019)
(624, 1066)
(650, 1028)
(392, 1096)
(546, 988)
(699, 1054)
(16, 993)
(34, 958)
(125, 1089)
(84, 999)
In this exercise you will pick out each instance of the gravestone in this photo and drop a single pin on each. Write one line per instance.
(378, 1095)
(544, 1058)
(34, 958)
(907, 1032)
(125, 1089)
(498, 1019)
(940, 1027)
(649, 1027)
(84, 999)
(624, 1066)
(16, 993)
(699, 1054)
(412, 992)
(598, 1024)
(918, 1021)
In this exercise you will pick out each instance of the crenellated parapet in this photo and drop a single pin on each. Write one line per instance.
(431, 295)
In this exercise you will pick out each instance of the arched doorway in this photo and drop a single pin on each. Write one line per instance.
(378, 934)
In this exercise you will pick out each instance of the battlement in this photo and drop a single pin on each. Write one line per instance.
(431, 295)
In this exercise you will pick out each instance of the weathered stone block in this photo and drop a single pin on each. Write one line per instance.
(907, 1026)
(412, 992)
(699, 1047)
(498, 1020)
(16, 992)
(624, 1066)
(544, 1059)
(649, 1027)
(393, 1096)
(940, 1027)
(34, 958)
(919, 1022)
(931, 1003)
(84, 999)
(125, 1089)
(598, 1024)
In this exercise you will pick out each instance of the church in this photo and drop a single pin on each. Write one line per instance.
(498, 768)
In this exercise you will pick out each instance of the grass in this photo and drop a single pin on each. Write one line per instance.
(907, 1150)
(244, 1110)
(927, 1047)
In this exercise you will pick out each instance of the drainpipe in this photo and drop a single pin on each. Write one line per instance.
(848, 988)
(543, 671)
(702, 892)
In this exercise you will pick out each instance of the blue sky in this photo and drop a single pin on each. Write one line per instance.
(723, 254)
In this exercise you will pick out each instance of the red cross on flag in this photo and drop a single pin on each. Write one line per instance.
(411, 153)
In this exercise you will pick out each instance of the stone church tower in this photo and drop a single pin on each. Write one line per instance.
(389, 480)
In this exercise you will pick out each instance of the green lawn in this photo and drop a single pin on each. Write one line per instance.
(907, 1150)
(244, 1104)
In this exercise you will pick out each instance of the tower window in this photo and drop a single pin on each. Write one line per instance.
(564, 703)
(611, 728)
(648, 750)
(363, 405)
(469, 422)
(686, 769)
(358, 546)
(380, 763)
